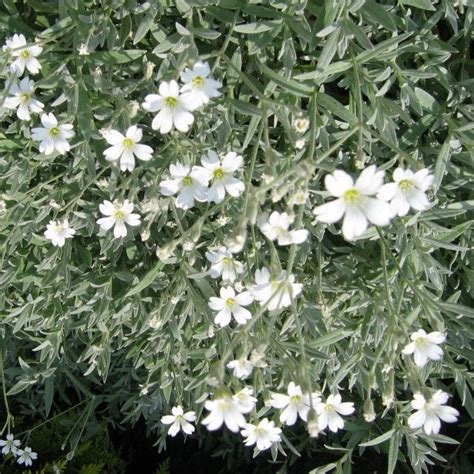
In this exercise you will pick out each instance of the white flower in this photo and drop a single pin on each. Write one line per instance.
(354, 202)
(118, 215)
(174, 109)
(294, 404)
(127, 147)
(245, 400)
(26, 456)
(21, 98)
(264, 434)
(223, 263)
(300, 124)
(198, 84)
(329, 412)
(10, 445)
(242, 368)
(229, 304)
(187, 183)
(224, 410)
(220, 173)
(52, 136)
(429, 412)
(274, 293)
(58, 232)
(277, 228)
(425, 346)
(179, 421)
(25, 55)
(408, 190)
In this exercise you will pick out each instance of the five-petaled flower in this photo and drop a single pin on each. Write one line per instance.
(241, 368)
(430, 412)
(198, 83)
(52, 136)
(26, 456)
(330, 411)
(354, 202)
(187, 184)
(117, 215)
(9, 445)
(224, 264)
(408, 190)
(219, 171)
(179, 421)
(264, 434)
(22, 99)
(25, 56)
(425, 346)
(126, 147)
(277, 227)
(295, 404)
(58, 232)
(224, 410)
(231, 304)
(174, 109)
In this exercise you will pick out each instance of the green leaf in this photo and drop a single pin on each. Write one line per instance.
(287, 84)
(147, 280)
(393, 452)
(117, 57)
(335, 107)
(422, 4)
(256, 28)
(380, 439)
(145, 24)
(379, 15)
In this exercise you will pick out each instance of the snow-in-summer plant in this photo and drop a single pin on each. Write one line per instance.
(245, 218)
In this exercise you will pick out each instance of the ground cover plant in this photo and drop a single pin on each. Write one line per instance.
(243, 225)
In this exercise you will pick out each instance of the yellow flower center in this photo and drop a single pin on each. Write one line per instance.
(58, 228)
(54, 131)
(328, 408)
(405, 184)
(295, 399)
(119, 214)
(24, 97)
(351, 196)
(187, 181)
(420, 342)
(198, 81)
(230, 301)
(128, 143)
(171, 102)
(25, 54)
(227, 261)
(218, 173)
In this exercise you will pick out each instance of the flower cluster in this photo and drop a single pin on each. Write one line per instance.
(368, 200)
(11, 446)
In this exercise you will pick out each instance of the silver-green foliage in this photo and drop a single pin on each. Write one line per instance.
(385, 83)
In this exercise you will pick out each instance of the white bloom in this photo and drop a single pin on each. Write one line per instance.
(198, 83)
(187, 183)
(294, 404)
(179, 421)
(224, 410)
(408, 190)
(21, 98)
(425, 346)
(83, 50)
(264, 434)
(10, 445)
(300, 143)
(223, 263)
(26, 456)
(329, 412)
(174, 109)
(275, 293)
(229, 304)
(220, 173)
(118, 215)
(25, 55)
(52, 136)
(58, 232)
(242, 368)
(127, 147)
(300, 124)
(429, 412)
(245, 400)
(277, 228)
(354, 202)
